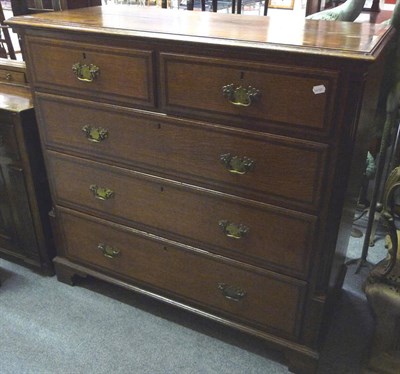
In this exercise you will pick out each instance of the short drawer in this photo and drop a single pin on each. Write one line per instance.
(264, 167)
(248, 231)
(14, 77)
(245, 93)
(264, 299)
(108, 73)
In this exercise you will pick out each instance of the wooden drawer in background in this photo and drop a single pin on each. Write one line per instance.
(13, 72)
(124, 75)
(12, 77)
(252, 232)
(280, 170)
(264, 299)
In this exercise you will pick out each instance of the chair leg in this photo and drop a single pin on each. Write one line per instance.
(7, 37)
(266, 4)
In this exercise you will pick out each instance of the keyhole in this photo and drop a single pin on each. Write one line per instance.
(162, 189)
(84, 55)
(242, 75)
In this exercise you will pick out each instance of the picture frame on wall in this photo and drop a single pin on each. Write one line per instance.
(281, 4)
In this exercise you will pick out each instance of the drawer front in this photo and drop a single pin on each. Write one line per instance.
(263, 167)
(264, 299)
(9, 76)
(286, 96)
(115, 74)
(252, 232)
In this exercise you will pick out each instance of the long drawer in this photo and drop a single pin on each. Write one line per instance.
(267, 300)
(257, 233)
(244, 92)
(111, 73)
(268, 168)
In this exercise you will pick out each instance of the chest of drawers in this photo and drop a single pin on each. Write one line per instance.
(207, 160)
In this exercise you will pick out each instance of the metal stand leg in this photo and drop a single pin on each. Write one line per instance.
(374, 213)
(372, 210)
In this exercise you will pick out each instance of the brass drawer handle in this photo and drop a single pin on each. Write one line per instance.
(236, 164)
(85, 73)
(241, 96)
(101, 193)
(108, 251)
(231, 292)
(95, 134)
(233, 230)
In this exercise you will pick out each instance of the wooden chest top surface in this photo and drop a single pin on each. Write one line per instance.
(342, 39)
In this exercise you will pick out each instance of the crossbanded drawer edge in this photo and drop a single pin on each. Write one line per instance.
(130, 266)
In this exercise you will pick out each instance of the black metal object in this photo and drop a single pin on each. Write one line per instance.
(216, 5)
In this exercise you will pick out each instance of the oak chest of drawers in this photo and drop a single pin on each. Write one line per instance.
(207, 160)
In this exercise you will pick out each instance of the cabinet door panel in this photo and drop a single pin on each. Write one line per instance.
(16, 227)
(8, 142)
(7, 229)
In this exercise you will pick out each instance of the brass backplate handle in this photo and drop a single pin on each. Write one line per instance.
(231, 292)
(95, 134)
(85, 73)
(233, 230)
(108, 251)
(101, 193)
(241, 96)
(237, 164)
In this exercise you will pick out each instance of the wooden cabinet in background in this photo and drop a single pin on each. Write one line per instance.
(208, 160)
(24, 194)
